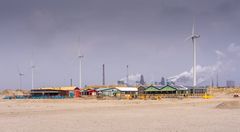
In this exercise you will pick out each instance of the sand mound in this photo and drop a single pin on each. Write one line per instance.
(13, 92)
(229, 105)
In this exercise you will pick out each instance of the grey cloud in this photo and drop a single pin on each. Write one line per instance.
(147, 35)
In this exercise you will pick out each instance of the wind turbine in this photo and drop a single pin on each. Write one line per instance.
(193, 37)
(80, 57)
(20, 78)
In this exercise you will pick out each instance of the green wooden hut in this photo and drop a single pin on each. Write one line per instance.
(168, 90)
(153, 90)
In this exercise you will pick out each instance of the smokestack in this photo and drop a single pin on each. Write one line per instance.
(103, 82)
(71, 82)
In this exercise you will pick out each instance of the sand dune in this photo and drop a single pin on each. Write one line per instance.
(229, 105)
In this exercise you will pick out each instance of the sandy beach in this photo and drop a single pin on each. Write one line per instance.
(78, 115)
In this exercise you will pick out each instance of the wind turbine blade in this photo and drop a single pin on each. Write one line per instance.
(193, 29)
(79, 52)
(188, 38)
(79, 46)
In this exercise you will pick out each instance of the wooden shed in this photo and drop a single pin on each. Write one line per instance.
(168, 90)
(77, 92)
(141, 90)
(198, 90)
(153, 89)
(90, 92)
(106, 91)
(127, 90)
(51, 91)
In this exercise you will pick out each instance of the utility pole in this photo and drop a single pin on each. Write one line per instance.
(71, 82)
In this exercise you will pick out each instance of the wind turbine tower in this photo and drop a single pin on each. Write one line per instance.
(20, 77)
(193, 37)
(80, 57)
(103, 83)
(32, 70)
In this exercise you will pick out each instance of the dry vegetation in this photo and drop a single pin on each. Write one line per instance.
(223, 91)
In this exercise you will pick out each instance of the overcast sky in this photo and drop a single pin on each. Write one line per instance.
(147, 35)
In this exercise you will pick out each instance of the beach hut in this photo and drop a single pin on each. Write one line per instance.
(198, 90)
(89, 92)
(181, 90)
(168, 89)
(84, 92)
(127, 90)
(77, 92)
(141, 90)
(71, 94)
(50, 92)
(92, 92)
(107, 91)
(153, 89)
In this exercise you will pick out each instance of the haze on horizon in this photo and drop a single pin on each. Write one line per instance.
(149, 36)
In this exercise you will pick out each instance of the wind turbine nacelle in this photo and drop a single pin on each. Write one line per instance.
(21, 74)
(80, 56)
(196, 36)
(192, 37)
